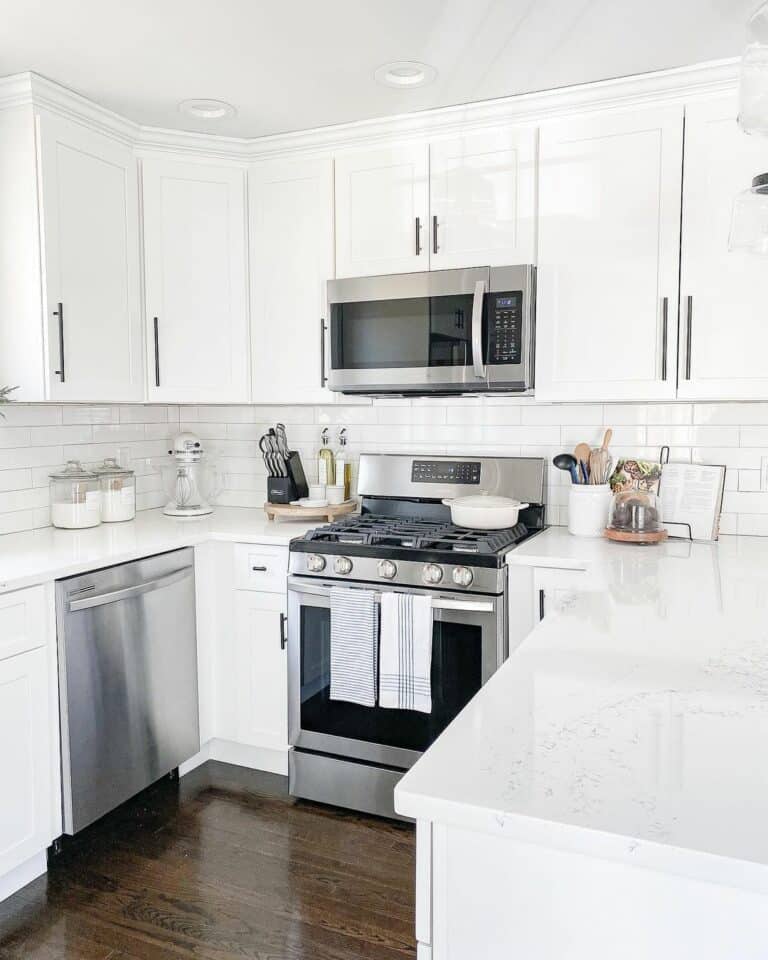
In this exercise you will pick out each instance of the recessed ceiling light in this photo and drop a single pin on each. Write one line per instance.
(207, 109)
(405, 73)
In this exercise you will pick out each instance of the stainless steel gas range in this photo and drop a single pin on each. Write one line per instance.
(351, 755)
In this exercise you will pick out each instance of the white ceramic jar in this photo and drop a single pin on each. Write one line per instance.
(588, 506)
(75, 497)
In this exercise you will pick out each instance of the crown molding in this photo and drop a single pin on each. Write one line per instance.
(676, 85)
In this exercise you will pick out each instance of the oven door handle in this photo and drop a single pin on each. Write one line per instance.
(438, 603)
(470, 606)
(477, 330)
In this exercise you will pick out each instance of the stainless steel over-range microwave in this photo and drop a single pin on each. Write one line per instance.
(442, 331)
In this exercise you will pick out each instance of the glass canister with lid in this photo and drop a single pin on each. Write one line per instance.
(75, 497)
(118, 491)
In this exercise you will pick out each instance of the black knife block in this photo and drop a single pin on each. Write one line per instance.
(290, 488)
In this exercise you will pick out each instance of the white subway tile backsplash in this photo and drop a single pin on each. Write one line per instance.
(36, 438)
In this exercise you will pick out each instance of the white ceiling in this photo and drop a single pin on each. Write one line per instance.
(300, 64)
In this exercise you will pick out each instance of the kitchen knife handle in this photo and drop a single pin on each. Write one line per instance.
(664, 335)
(60, 314)
(688, 337)
(418, 236)
(435, 247)
(157, 351)
(323, 378)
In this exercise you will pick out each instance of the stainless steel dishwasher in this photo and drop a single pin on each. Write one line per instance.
(127, 680)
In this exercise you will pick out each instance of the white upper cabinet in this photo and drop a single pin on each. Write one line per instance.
(196, 282)
(291, 244)
(482, 192)
(724, 333)
(609, 232)
(382, 206)
(90, 240)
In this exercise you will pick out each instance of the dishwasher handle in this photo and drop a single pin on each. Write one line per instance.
(126, 593)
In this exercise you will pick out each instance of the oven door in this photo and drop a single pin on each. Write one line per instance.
(468, 639)
(410, 332)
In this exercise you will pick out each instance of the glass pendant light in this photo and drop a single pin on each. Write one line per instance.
(749, 224)
(753, 88)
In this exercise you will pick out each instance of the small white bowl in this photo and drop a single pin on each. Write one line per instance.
(335, 493)
(316, 491)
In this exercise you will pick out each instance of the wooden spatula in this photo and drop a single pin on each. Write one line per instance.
(600, 461)
(582, 452)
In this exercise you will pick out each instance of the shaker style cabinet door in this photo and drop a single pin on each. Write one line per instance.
(291, 245)
(723, 295)
(196, 282)
(260, 670)
(26, 799)
(609, 229)
(382, 205)
(90, 239)
(482, 192)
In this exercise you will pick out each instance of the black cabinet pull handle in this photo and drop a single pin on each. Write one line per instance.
(435, 247)
(157, 352)
(664, 328)
(541, 604)
(688, 338)
(283, 637)
(60, 314)
(418, 236)
(323, 378)
(259, 569)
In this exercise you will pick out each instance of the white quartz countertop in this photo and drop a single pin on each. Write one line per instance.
(632, 723)
(40, 555)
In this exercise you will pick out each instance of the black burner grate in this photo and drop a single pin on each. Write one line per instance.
(371, 530)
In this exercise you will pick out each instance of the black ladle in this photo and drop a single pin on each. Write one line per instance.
(567, 462)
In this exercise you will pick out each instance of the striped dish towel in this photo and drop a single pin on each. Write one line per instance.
(353, 646)
(405, 652)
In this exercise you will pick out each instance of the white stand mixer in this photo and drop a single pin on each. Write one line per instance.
(189, 478)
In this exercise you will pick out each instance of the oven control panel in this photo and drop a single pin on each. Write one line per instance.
(505, 327)
(445, 471)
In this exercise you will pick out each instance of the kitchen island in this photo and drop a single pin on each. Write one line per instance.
(605, 794)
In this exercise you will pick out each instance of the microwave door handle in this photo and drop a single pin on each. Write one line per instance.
(477, 330)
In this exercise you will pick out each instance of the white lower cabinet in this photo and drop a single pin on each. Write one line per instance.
(553, 589)
(261, 682)
(28, 744)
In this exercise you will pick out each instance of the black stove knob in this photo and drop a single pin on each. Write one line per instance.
(387, 569)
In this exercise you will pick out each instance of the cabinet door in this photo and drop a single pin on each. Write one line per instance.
(553, 589)
(291, 242)
(482, 199)
(609, 229)
(90, 215)
(196, 282)
(381, 211)
(260, 670)
(724, 348)
(25, 747)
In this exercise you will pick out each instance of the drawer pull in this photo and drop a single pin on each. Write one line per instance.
(259, 569)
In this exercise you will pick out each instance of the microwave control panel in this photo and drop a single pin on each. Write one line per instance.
(445, 471)
(505, 327)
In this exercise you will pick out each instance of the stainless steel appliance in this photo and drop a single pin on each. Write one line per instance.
(441, 331)
(127, 680)
(351, 755)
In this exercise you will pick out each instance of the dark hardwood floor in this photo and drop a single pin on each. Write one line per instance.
(221, 865)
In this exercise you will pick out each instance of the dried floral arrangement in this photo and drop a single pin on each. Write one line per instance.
(5, 398)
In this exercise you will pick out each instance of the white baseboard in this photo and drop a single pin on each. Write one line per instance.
(240, 754)
(23, 874)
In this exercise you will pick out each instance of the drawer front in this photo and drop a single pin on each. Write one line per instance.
(22, 621)
(261, 568)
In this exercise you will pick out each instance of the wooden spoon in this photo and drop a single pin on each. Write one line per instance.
(600, 460)
(582, 452)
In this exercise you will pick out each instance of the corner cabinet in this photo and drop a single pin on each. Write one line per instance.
(195, 271)
(609, 237)
(724, 334)
(291, 245)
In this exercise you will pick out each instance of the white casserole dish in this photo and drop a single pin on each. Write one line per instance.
(485, 512)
